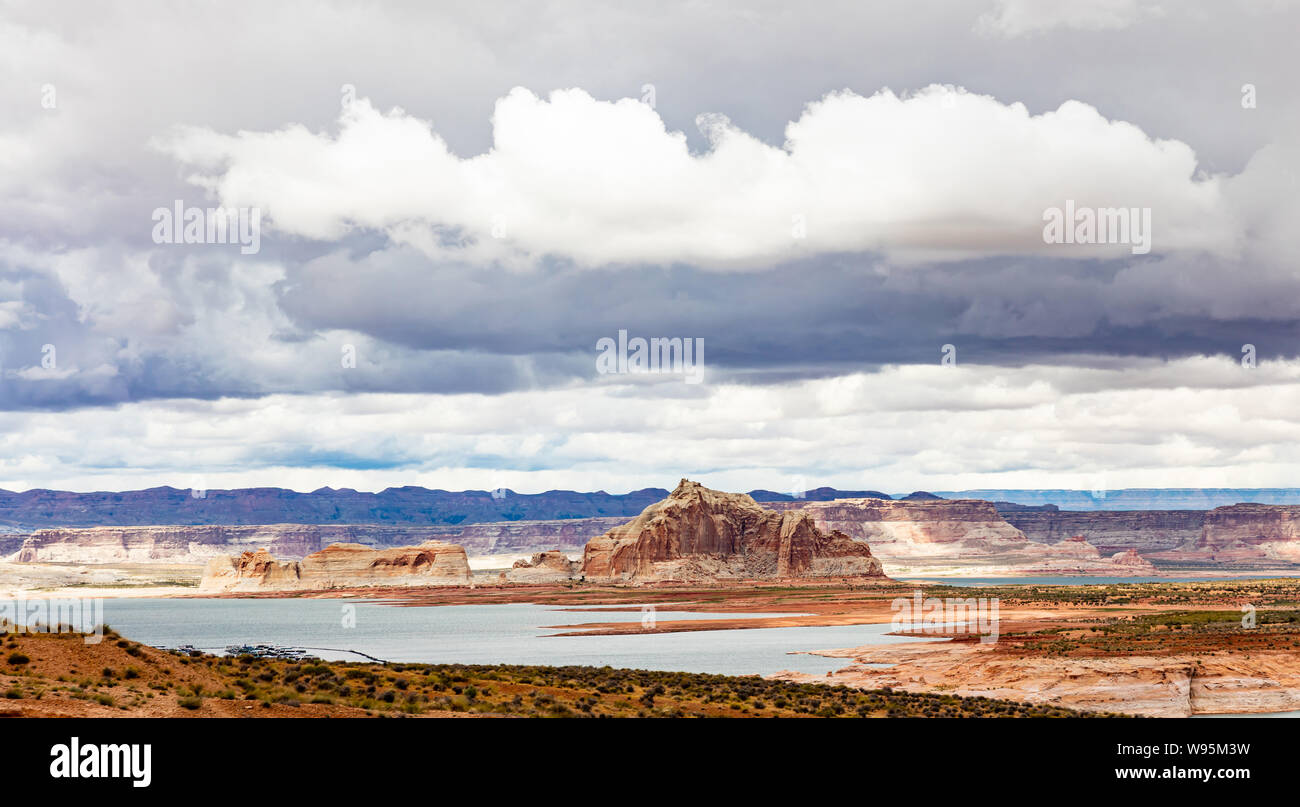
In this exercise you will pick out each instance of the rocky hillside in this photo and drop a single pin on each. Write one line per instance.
(433, 563)
(698, 534)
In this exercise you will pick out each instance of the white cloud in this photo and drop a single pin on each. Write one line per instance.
(939, 174)
(900, 429)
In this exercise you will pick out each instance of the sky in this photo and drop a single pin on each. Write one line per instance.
(451, 211)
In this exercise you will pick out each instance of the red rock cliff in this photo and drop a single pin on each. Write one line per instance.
(698, 534)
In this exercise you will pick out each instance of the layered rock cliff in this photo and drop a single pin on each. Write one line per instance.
(698, 534)
(433, 563)
(928, 536)
(919, 527)
(1112, 531)
(195, 544)
(1244, 535)
(1239, 535)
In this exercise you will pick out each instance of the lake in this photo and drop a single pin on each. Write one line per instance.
(482, 634)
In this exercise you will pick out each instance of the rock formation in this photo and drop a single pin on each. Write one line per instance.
(1265, 535)
(1112, 531)
(927, 535)
(1164, 685)
(1076, 555)
(1241, 535)
(433, 563)
(918, 527)
(196, 544)
(544, 567)
(698, 535)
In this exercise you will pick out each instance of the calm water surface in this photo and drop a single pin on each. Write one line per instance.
(482, 634)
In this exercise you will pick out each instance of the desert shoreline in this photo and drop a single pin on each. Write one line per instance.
(1160, 649)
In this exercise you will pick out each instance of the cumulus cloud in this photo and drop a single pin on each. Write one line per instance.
(942, 173)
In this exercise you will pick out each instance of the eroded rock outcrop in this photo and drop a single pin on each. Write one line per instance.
(1076, 555)
(544, 567)
(433, 563)
(698, 534)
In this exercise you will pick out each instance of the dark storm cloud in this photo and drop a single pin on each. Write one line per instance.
(819, 316)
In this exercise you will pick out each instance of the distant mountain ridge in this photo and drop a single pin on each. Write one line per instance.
(1132, 498)
(406, 506)
(37, 509)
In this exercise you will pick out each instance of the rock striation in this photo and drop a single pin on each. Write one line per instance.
(196, 544)
(1238, 535)
(928, 535)
(1112, 531)
(433, 563)
(698, 534)
(919, 527)
(1260, 534)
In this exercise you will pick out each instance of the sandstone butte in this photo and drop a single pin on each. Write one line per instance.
(698, 534)
(432, 563)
